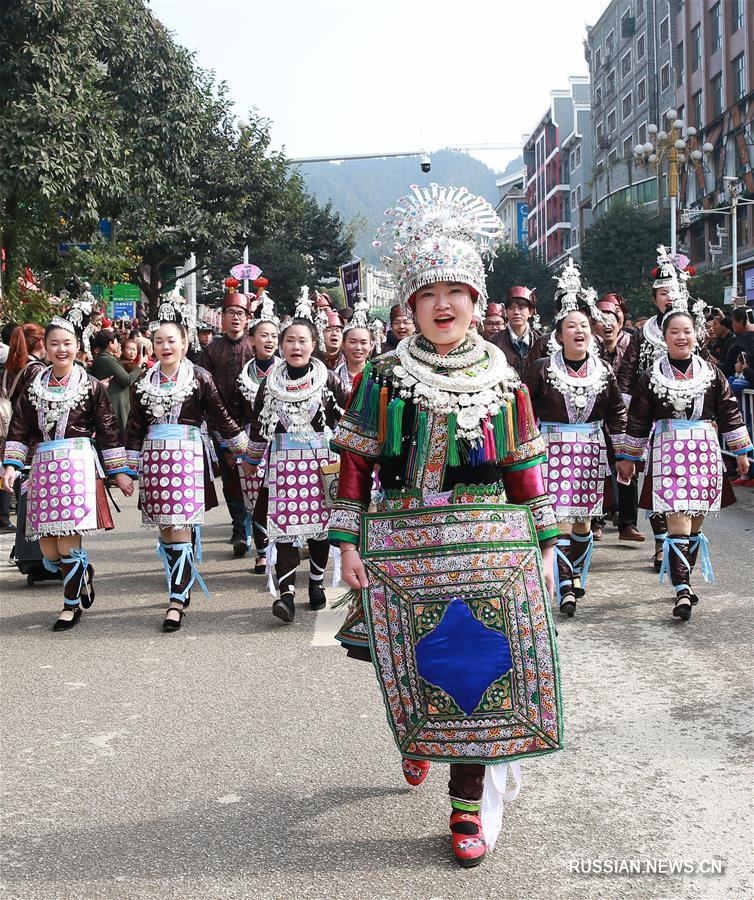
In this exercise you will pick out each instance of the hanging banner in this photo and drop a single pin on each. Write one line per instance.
(350, 280)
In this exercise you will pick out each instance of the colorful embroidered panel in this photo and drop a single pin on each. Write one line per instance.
(172, 476)
(687, 467)
(460, 632)
(62, 489)
(297, 505)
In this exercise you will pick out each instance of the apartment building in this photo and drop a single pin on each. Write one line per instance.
(558, 160)
(715, 95)
(631, 67)
(513, 208)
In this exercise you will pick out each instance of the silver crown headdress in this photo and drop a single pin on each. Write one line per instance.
(572, 296)
(304, 305)
(666, 271)
(440, 234)
(266, 311)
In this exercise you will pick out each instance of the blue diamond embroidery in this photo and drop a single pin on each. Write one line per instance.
(462, 656)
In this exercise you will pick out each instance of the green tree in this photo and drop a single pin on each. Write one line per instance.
(710, 287)
(60, 143)
(515, 266)
(620, 250)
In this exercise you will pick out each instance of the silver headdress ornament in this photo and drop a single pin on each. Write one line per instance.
(440, 234)
(682, 301)
(304, 305)
(266, 311)
(76, 319)
(666, 272)
(173, 308)
(572, 296)
(360, 317)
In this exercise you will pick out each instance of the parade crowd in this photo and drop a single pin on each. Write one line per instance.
(334, 436)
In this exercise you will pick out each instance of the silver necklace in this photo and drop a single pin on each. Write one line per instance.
(579, 393)
(165, 402)
(472, 395)
(468, 353)
(53, 407)
(293, 402)
(680, 393)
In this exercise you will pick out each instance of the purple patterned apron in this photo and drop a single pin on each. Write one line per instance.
(62, 489)
(172, 476)
(297, 506)
(687, 467)
(251, 485)
(574, 473)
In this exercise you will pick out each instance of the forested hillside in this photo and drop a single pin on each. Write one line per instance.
(361, 189)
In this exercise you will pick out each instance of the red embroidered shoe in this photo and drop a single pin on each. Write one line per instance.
(415, 770)
(469, 845)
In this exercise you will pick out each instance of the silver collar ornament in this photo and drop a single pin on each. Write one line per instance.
(164, 401)
(54, 406)
(579, 392)
(293, 401)
(680, 393)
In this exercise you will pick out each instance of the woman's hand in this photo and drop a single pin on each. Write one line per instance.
(626, 470)
(548, 563)
(351, 567)
(125, 483)
(9, 476)
(742, 465)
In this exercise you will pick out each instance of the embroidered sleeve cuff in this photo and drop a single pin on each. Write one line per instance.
(629, 447)
(544, 517)
(527, 452)
(15, 454)
(345, 521)
(738, 440)
(255, 452)
(239, 443)
(115, 459)
(350, 436)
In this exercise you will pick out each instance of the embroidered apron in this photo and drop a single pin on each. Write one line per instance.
(172, 477)
(62, 488)
(687, 467)
(574, 473)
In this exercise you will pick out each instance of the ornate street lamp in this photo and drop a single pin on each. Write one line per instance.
(674, 149)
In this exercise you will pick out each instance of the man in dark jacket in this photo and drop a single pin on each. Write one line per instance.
(521, 345)
(224, 358)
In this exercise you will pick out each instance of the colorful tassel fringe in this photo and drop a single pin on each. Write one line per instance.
(394, 429)
(382, 425)
(453, 458)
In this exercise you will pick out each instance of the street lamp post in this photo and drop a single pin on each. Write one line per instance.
(671, 147)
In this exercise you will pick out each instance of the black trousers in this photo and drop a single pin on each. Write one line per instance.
(232, 492)
(466, 781)
(288, 559)
(628, 503)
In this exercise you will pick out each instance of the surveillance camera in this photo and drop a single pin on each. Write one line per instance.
(426, 163)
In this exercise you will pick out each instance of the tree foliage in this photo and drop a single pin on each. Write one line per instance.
(710, 287)
(620, 250)
(514, 266)
(104, 115)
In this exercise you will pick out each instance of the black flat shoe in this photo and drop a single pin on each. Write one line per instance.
(260, 566)
(240, 548)
(87, 594)
(568, 606)
(67, 624)
(173, 624)
(682, 608)
(284, 608)
(317, 599)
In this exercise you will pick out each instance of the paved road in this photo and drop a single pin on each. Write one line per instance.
(240, 758)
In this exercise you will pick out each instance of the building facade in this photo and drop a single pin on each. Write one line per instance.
(558, 158)
(630, 52)
(513, 208)
(715, 95)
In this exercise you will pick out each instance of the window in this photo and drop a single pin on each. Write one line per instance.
(716, 91)
(664, 30)
(574, 236)
(640, 47)
(627, 106)
(639, 8)
(573, 199)
(625, 65)
(600, 134)
(611, 83)
(665, 77)
(641, 92)
(577, 155)
(628, 147)
(643, 133)
(715, 27)
(739, 77)
(612, 157)
(679, 62)
(738, 14)
(578, 195)
(609, 44)
(611, 122)
(598, 97)
(598, 58)
(696, 47)
(696, 100)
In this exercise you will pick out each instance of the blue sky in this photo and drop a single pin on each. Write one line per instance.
(350, 77)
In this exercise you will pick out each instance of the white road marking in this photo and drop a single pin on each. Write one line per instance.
(327, 623)
(229, 798)
(76, 684)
